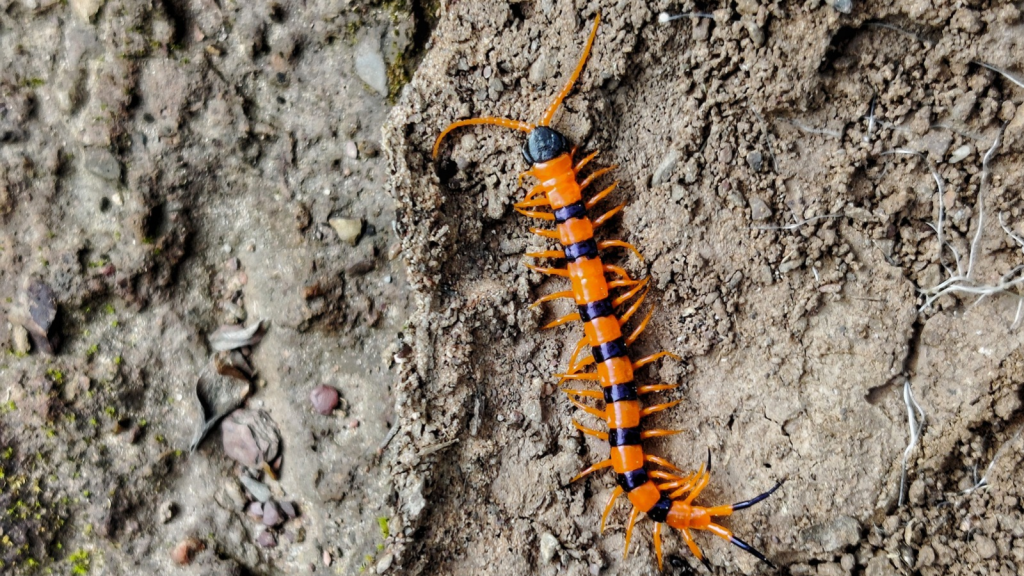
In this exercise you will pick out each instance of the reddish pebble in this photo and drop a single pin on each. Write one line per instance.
(255, 510)
(186, 550)
(324, 399)
(353, 424)
(272, 515)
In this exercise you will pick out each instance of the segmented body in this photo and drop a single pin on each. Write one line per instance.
(663, 493)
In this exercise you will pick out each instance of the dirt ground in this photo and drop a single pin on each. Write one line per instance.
(792, 253)
(167, 168)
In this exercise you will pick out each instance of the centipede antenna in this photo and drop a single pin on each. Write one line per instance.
(754, 551)
(756, 499)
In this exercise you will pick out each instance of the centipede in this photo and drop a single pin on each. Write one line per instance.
(652, 485)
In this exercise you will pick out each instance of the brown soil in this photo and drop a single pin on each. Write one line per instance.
(789, 249)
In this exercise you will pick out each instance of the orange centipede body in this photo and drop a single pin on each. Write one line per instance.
(664, 494)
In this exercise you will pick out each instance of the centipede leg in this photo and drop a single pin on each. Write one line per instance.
(611, 502)
(592, 469)
(576, 352)
(604, 217)
(563, 320)
(585, 393)
(619, 300)
(639, 329)
(694, 549)
(546, 254)
(538, 215)
(658, 433)
(613, 269)
(657, 543)
(648, 359)
(655, 388)
(629, 529)
(552, 296)
(623, 283)
(585, 161)
(595, 175)
(551, 271)
(590, 431)
(660, 462)
(658, 408)
(588, 409)
(600, 196)
(519, 181)
(583, 364)
(632, 309)
(605, 244)
(532, 203)
(552, 234)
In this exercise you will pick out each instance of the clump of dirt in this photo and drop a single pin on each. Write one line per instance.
(793, 244)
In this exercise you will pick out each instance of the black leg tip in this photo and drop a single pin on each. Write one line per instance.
(753, 551)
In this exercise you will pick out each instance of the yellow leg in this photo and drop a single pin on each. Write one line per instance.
(585, 161)
(540, 215)
(648, 359)
(550, 112)
(587, 393)
(694, 549)
(605, 244)
(592, 469)
(657, 542)
(632, 309)
(532, 203)
(619, 300)
(604, 217)
(553, 271)
(629, 529)
(600, 196)
(573, 368)
(588, 409)
(613, 269)
(579, 348)
(552, 296)
(655, 388)
(659, 461)
(546, 254)
(552, 234)
(658, 433)
(595, 175)
(563, 320)
(639, 329)
(519, 181)
(590, 431)
(611, 502)
(658, 408)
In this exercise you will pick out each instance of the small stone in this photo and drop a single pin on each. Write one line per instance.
(259, 490)
(360, 267)
(272, 514)
(384, 563)
(324, 399)
(37, 312)
(266, 539)
(351, 150)
(791, 264)
(289, 509)
(759, 209)
(250, 437)
(20, 337)
(167, 510)
(842, 532)
(960, 153)
(326, 557)
(755, 160)
(86, 9)
(664, 170)
(370, 65)
(984, 546)
(539, 70)
(186, 550)
(102, 163)
(549, 546)
(255, 510)
(348, 229)
(843, 6)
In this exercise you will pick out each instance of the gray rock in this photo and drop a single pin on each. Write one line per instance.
(844, 6)
(348, 229)
(102, 163)
(266, 539)
(259, 490)
(250, 437)
(370, 65)
(272, 515)
(665, 169)
(539, 70)
(759, 209)
(755, 160)
(385, 563)
(20, 336)
(842, 532)
(984, 546)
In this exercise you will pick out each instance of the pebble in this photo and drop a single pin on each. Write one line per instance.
(351, 150)
(384, 563)
(102, 163)
(272, 514)
(250, 437)
(324, 399)
(20, 336)
(186, 550)
(255, 510)
(755, 160)
(664, 170)
(289, 509)
(167, 510)
(259, 490)
(960, 153)
(370, 65)
(266, 539)
(842, 532)
(38, 313)
(759, 209)
(348, 229)
(549, 546)
(539, 70)
(844, 6)
(85, 9)
(984, 546)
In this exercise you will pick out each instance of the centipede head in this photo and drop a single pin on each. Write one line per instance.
(544, 144)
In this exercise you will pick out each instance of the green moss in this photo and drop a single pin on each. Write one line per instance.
(55, 375)
(92, 350)
(398, 77)
(382, 521)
